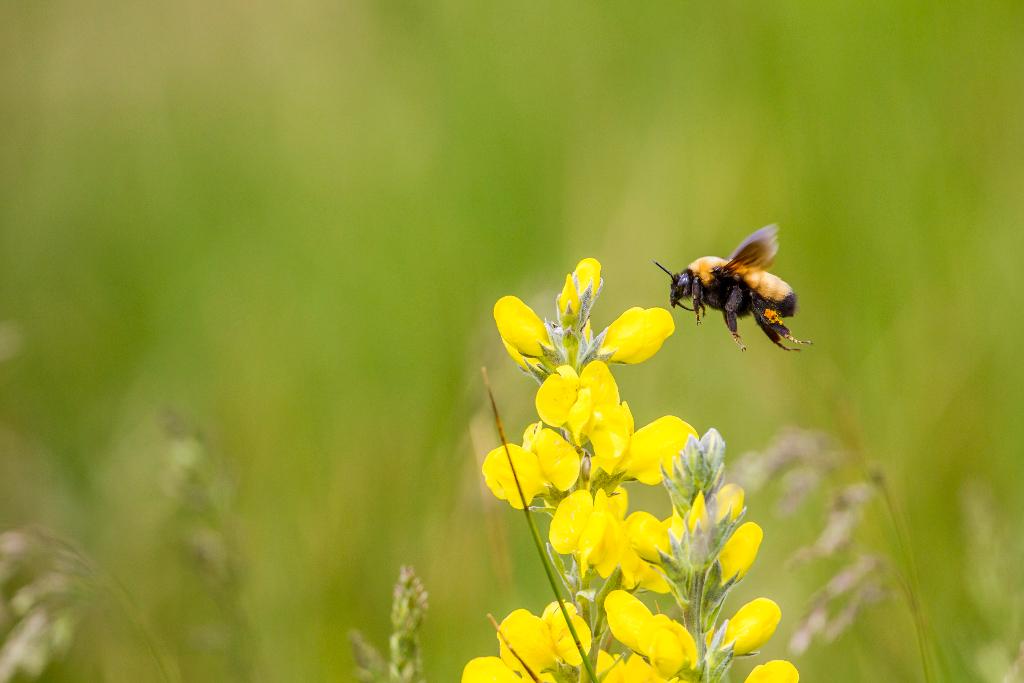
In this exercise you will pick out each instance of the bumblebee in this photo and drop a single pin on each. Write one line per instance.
(738, 286)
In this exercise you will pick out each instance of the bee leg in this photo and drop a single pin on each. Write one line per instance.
(769, 328)
(698, 299)
(731, 305)
(795, 340)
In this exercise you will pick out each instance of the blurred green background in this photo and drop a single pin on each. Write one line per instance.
(287, 224)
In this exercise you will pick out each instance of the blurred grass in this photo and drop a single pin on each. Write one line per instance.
(289, 223)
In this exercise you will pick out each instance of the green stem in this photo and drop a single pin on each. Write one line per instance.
(548, 571)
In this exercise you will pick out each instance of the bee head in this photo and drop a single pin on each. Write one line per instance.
(682, 287)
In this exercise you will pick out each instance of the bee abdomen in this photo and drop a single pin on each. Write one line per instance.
(774, 289)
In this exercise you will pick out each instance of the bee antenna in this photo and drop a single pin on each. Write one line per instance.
(670, 274)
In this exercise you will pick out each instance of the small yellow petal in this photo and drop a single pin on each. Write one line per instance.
(568, 300)
(488, 670)
(655, 446)
(499, 478)
(559, 461)
(752, 625)
(520, 326)
(557, 395)
(740, 551)
(775, 671)
(637, 334)
(698, 513)
(610, 433)
(588, 274)
(580, 414)
(602, 542)
(647, 535)
(597, 376)
(569, 522)
(728, 501)
(628, 618)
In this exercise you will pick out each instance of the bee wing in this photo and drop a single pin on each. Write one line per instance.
(757, 251)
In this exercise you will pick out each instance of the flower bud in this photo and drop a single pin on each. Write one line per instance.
(752, 625)
(587, 274)
(728, 501)
(637, 334)
(740, 551)
(520, 327)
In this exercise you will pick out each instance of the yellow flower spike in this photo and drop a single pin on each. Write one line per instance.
(728, 501)
(569, 521)
(669, 647)
(775, 671)
(557, 395)
(637, 334)
(647, 535)
(530, 637)
(500, 480)
(488, 670)
(655, 445)
(698, 513)
(740, 551)
(628, 618)
(559, 461)
(561, 637)
(752, 625)
(587, 274)
(520, 326)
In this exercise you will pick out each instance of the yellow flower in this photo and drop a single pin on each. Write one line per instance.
(559, 461)
(542, 642)
(587, 274)
(544, 458)
(775, 671)
(752, 625)
(520, 327)
(590, 528)
(565, 646)
(740, 550)
(637, 334)
(499, 477)
(654, 446)
(667, 645)
(728, 501)
(566, 398)
(488, 670)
